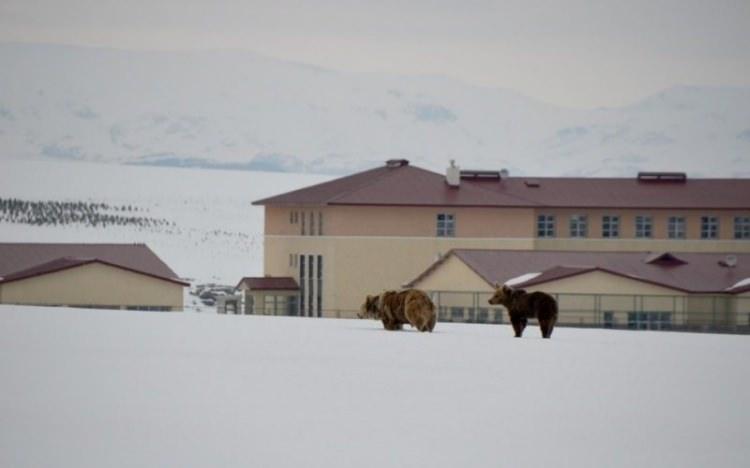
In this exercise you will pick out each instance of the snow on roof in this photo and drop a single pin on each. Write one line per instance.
(522, 279)
(740, 284)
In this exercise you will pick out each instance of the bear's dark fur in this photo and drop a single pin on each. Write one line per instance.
(395, 308)
(522, 306)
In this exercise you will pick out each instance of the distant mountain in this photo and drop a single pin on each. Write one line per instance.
(239, 110)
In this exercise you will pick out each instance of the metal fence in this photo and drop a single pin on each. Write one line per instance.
(701, 313)
(709, 313)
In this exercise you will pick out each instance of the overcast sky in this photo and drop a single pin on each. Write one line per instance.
(572, 53)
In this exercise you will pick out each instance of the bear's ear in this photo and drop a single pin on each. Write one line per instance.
(497, 285)
(507, 289)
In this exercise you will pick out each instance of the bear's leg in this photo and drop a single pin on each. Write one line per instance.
(544, 327)
(431, 324)
(519, 323)
(413, 317)
(551, 326)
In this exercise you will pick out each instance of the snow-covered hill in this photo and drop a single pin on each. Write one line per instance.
(204, 226)
(236, 109)
(94, 388)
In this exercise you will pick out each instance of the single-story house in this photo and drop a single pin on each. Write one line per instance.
(268, 295)
(108, 276)
(612, 289)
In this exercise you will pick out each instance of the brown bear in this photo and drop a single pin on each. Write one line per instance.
(395, 308)
(522, 306)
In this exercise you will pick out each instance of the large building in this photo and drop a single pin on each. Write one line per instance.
(382, 228)
(109, 276)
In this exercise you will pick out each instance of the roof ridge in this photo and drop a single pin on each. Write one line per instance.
(387, 172)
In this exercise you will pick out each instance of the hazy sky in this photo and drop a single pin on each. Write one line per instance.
(573, 53)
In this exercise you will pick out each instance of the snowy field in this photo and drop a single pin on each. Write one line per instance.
(216, 236)
(88, 388)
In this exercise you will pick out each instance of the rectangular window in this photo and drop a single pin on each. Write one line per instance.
(649, 320)
(483, 315)
(742, 227)
(319, 293)
(643, 227)
(608, 320)
(291, 305)
(310, 286)
(610, 226)
(498, 315)
(269, 304)
(545, 226)
(457, 314)
(291, 217)
(709, 227)
(579, 226)
(302, 226)
(302, 278)
(312, 223)
(446, 225)
(676, 227)
(291, 260)
(320, 223)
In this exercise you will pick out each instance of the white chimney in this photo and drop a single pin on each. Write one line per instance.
(453, 174)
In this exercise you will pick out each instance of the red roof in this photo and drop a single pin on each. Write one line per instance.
(412, 186)
(694, 272)
(268, 283)
(24, 260)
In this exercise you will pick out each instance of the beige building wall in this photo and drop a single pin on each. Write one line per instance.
(516, 223)
(582, 298)
(94, 284)
(398, 221)
(354, 266)
(368, 249)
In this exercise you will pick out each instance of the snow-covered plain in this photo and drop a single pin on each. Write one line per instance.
(90, 388)
(217, 234)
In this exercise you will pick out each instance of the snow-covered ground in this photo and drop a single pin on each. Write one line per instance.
(89, 388)
(217, 234)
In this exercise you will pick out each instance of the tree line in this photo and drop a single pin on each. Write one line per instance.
(54, 213)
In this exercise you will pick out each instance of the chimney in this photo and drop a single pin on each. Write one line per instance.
(453, 174)
(504, 173)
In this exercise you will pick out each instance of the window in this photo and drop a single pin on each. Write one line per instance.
(649, 320)
(446, 225)
(579, 226)
(709, 227)
(676, 227)
(483, 315)
(545, 226)
(320, 223)
(608, 320)
(457, 314)
(302, 277)
(312, 223)
(643, 227)
(310, 286)
(742, 227)
(269, 306)
(319, 294)
(610, 226)
(498, 315)
(302, 226)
